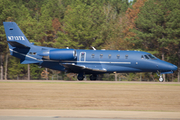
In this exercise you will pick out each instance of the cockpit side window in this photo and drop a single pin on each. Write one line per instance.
(142, 57)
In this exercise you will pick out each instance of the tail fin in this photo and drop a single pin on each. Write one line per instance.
(15, 36)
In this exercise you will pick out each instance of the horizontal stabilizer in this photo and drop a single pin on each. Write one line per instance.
(28, 61)
(16, 44)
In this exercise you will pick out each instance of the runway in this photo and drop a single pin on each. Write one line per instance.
(74, 100)
(24, 114)
(52, 118)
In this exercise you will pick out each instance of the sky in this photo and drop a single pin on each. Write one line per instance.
(130, 0)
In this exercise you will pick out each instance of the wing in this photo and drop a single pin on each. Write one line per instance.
(87, 69)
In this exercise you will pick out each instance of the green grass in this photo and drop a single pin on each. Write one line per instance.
(90, 83)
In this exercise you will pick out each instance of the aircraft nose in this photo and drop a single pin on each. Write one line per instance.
(174, 67)
(165, 66)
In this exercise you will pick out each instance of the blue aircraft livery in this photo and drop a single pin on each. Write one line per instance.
(83, 62)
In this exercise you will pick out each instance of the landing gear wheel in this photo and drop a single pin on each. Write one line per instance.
(93, 77)
(161, 79)
(80, 77)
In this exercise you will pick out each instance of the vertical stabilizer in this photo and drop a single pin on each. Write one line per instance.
(15, 36)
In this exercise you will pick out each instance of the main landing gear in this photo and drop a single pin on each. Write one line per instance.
(93, 77)
(161, 79)
(81, 76)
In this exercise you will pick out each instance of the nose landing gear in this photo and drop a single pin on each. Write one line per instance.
(161, 79)
(81, 76)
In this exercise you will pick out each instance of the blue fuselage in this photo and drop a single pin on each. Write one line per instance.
(97, 61)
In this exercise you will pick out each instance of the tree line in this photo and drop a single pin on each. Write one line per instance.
(147, 25)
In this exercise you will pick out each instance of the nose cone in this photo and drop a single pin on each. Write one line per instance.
(170, 67)
(165, 66)
(174, 67)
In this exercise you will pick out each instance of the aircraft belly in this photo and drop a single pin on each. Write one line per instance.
(93, 66)
(52, 65)
(90, 68)
(122, 68)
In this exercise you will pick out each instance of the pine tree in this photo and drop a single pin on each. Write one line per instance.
(15, 69)
(173, 33)
(154, 27)
(82, 26)
(36, 72)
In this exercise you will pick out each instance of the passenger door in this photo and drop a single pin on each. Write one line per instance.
(82, 56)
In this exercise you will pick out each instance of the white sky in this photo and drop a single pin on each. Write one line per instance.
(130, 0)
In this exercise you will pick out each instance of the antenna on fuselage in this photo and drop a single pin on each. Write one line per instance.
(93, 48)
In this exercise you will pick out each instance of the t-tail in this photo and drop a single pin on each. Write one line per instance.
(15, 36)
(19, 45)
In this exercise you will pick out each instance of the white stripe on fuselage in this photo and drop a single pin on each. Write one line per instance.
(103, 62)
(98, 62)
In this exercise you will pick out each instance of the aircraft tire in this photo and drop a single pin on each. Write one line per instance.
(80, 78)
(161, 79)
(93, 77)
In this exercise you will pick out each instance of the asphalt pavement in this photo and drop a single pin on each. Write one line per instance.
(30, 114)
(59, 118)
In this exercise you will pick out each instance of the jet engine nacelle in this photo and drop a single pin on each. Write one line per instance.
(60, 54)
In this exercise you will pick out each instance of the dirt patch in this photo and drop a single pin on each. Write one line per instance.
(89, 96)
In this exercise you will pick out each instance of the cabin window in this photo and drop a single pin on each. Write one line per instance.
(118, 56)
(92, 56)
(142, 57)
(146, 56)
(126, 56)
(109, 56)
(101, 55)
(34, 53)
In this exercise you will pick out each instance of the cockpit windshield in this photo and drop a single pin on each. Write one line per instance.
(152, 56)
(148, 56)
